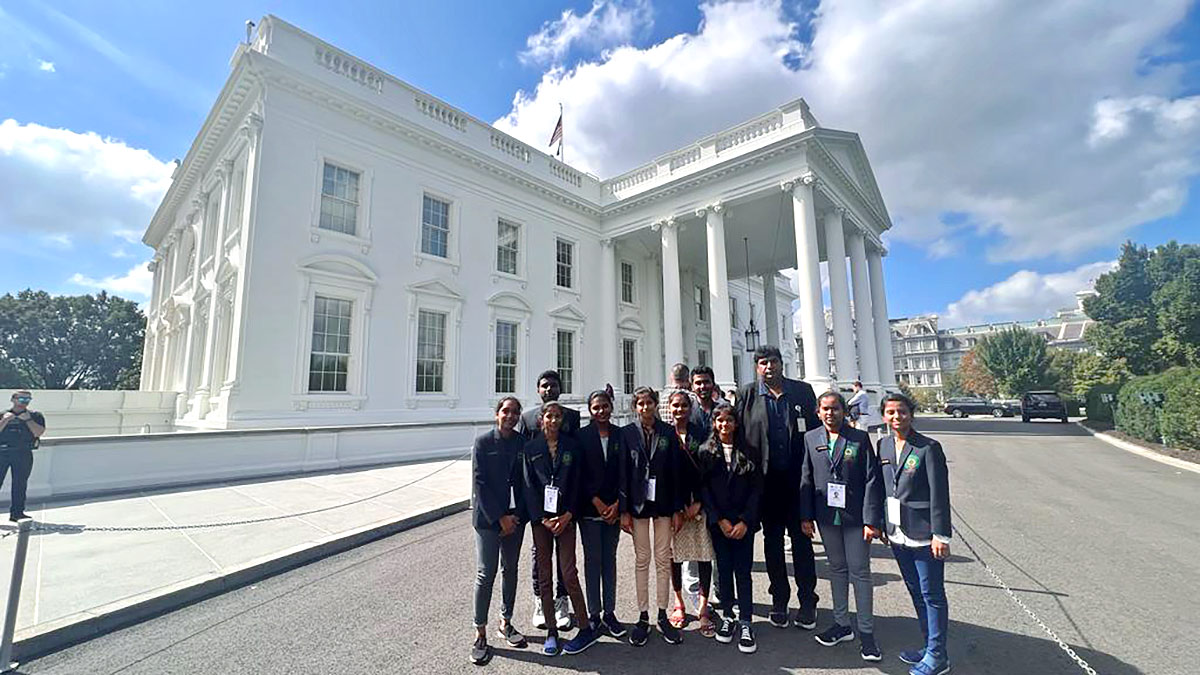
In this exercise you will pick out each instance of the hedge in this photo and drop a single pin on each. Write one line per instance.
(1099, 409)
(1176, 420)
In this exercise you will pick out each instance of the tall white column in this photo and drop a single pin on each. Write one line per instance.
(205, 388)
(808, 277)
(189, 341)
(771, 308)
(718, 296)
(879, 311)
(839, 298)
(868, 365)
(252, 130)
(672, 311)
(609, 344)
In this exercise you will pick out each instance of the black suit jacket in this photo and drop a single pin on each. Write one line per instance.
(496, 469)
(599, 477)
(562, 472)
(921, 481)
(855, 464)
(691, 470)
(728, 495)
(530, 425)
(781, 489)
(640, 465)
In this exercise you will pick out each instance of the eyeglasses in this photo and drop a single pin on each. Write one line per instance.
(24, 399)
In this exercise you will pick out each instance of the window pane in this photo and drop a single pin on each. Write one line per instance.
(627, 282)
(506, 357)
(329, 360)
(431, 350)
(628, 364)
(564, 261)
(566, 359)
(435, 227)
(507, 237)
(339, 199)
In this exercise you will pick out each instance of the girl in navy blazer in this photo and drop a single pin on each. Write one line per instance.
(600, 512)
(731, 486)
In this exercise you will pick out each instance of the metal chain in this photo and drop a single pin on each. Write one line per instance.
(45, 527)
(1020, 603)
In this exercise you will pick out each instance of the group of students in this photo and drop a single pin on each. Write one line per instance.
(693, 492)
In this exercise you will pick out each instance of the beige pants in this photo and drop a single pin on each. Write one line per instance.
(662, 561)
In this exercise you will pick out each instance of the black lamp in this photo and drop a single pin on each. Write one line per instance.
(751, 331)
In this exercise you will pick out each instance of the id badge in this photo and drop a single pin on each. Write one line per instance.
(650, 483)
(512, 497)
(835, 495)
(893, 511)
(550, 501)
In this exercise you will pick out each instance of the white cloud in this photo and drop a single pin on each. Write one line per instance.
(943, 247)
(46, 66)
(607, 23)
(955, 102)
(1023, 296)
(137, 282)
(68, 185)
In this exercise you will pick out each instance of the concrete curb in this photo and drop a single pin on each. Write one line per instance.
(84, 626)
(1139, 450)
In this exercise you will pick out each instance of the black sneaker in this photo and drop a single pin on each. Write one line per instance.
(670, 634)
(805, 617)
(778, 617)
(641, 632)
(511, 635)
(481, 652)
(746, 644)
(870, 650)
(835, 634)
(911, 656)
(613, 627)
(725, 630)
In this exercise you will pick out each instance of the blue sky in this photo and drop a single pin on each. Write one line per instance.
(1016, 147)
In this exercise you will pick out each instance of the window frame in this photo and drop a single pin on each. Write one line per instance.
(518, 272)
(574, 264)
(362, 236)
(349, 336)
(434, 295)
(629, 349)
(701, 304)
(339, 277)
(633, 284)
(516, 355)
(569, 373)
(453, 223)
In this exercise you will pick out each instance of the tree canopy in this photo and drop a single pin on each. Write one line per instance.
(1016, 359)
(974, 377)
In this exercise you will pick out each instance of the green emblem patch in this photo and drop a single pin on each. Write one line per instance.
(662, 444)
(911, 463)
(850, 450)
(567, 458)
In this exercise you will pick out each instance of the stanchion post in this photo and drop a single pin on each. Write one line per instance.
(24, 527)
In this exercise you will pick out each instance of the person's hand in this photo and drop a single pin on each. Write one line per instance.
(738, 531)
(676, 521)
(508, 525)
(870, 533)
(939, 549)
(884, 538)
(609, 513)
(7, 418)
(726, 527)
(627, 523)
(693, 510)
(25, 416)
(809, 528)
(564, 520)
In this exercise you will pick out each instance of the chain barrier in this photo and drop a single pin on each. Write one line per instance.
(46, 527)
(1079, 661)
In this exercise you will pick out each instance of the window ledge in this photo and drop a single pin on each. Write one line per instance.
(415, 401)
(420, 258)
(319, 233)
(329, 401)
(498, 276)
(562, 290)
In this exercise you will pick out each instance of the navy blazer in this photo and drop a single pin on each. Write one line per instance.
(855, 464)
(599, 477)
(496, 472)
(921, 481)
(781, 489)
(640, 465)
(530, 426)
(691, 469)
(562, 472)
(729, 495)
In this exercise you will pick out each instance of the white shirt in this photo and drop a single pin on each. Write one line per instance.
(728, 454)
(604, 446)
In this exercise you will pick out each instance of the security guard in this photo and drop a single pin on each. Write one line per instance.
(20, 429)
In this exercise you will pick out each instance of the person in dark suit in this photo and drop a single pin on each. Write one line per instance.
(600, 512)
(841, 490)
(551, 478)
(775, 412)
(20, 429)
(497, 496)
(731, 488)
(648, 504)
(917, 484)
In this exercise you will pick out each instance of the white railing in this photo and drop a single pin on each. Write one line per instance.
(566, 173)
(511, 146)
(751, 130)
(682, 159)
(444, 114)
(633, 178)
(349, 67)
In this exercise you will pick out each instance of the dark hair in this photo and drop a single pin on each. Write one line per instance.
(500, 403)
(644, 391)
(858, 383)
(551, 404)
(601, 393)
(833, 394)
(550, 375)
(680, 371)
(767, 352)
(704, 370)
(681, 392)
(711, 453)
(898, 398)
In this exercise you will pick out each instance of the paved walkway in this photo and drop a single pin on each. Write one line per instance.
(77, 576)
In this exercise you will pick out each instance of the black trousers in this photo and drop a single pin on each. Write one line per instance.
(804, 566)
(21, 462)
(735, 558)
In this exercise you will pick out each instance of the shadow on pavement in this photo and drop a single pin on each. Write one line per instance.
(979, 425)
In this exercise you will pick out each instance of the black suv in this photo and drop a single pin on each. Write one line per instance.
(973, 405)
(1042, 404)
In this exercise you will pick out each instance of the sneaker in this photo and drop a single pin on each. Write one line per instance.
(613, 627)
(539, 617)
(923, 668)
(670, 633)
(911, 656)
(746, 643)
(805, 617)
(562, 613)
(586, 637)
(868, 648)
(641, 632)
(725, 630)
(481, 652)
(778, 617)
(835, 634)
(511, 635)
(550, 646)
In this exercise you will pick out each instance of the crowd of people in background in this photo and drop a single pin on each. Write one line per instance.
(693, 480)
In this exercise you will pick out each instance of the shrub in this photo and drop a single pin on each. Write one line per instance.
(1176, 419)
(1097, 408)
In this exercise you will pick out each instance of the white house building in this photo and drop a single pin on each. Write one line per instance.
(339, 248)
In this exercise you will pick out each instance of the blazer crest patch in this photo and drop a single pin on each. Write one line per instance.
(911, 463)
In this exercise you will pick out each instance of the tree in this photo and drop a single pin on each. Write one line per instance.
(1061, 375)
(1092, 370)
(974, 377)
(70, 342)
(952, 385)
(1016, 359)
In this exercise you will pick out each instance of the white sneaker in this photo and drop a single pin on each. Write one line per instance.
(539, 619)
(562, 613)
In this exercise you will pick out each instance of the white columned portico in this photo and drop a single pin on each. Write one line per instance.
(808, 277)
(771, 309)
(868, 366)
(839, 298)
(608, 316)
(718, 296)
(672, 310)
(883, 330)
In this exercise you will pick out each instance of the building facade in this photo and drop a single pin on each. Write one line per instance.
(338, 247)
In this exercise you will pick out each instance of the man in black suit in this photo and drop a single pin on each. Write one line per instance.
(775, 413)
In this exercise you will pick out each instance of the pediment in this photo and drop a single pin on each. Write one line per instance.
(436, 287)
(846, 149)
(569, 312)
(509, 300)
(630, 324)
(340, 266)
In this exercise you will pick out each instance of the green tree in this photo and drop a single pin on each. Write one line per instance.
(71, 342)
(1061, 375)
(1016, 359)
(1092, 370)
(952, 385)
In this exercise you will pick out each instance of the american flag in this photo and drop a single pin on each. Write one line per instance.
(557, 136)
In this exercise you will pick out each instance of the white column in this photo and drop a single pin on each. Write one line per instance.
(771, 308)
(204, 389)
(879, 312)
(718, 296)
(609, 344)
(868, 365)
(252, 129)
(672, 311)
(189, 340)
(149, 344)
(839, 298)
(808, 273)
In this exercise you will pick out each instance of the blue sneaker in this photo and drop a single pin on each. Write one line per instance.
(550, 646)
(923, 668)
(586, 637)
(912, 656)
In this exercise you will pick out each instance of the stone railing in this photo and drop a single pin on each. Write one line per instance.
(349, 67)
(762, 126)
(683, 158)
(566, 173)
(510, 146)
(444, 114)
(634, 178)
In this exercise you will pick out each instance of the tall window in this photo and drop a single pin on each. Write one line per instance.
(702, 357)
(629, 364)
(435, 227)
(564, 257)
(627, 288)
(339, 199)
(506, 357)
(701, 314)
(566, 359)
(329, 360)
(431, 351)
(737, 367)
(733, 314)
(783, 319)
(507, 238)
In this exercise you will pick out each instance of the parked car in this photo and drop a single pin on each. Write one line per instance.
(974, 405)
(1043, 405)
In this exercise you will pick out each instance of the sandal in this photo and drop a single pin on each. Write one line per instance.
(707, 627)
(677, 617)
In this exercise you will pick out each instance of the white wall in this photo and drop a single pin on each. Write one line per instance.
(100, 413)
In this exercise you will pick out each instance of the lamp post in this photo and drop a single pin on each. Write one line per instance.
(751, 331)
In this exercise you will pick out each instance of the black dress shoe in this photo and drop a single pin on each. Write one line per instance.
(14, 517)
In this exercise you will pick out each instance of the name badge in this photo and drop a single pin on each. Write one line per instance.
(893, 511)
(512, 497)
(550, 501)
(835, 495)
(650, 488)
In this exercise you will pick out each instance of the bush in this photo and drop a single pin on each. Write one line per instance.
(1097, 408)
(1176, 420)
